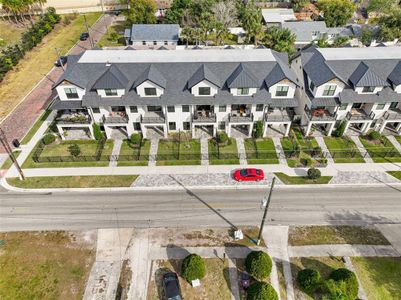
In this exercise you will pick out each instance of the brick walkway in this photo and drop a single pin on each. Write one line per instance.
(18, 123)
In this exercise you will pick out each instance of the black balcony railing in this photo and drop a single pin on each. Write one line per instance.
(239, 118)
(360, 115)
(392, 114)
(115, 120)
(277, 117)
(153, 119)
(207, 117)
(81, 119)
(319, 115)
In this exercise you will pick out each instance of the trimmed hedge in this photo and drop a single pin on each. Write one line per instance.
(314, 173)
(374, 135)
(350, 280)
(308, 279)
(334, 290)
(258, 264)
(261, 291)
(193, 267)
(48, 139)
(222, 137)
(97, 132)
(136, 138)
(339, 132)
(258, 129)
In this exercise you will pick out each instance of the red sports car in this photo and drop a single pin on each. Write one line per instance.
(249, 175)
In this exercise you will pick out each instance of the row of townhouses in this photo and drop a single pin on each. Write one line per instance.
(205, 91)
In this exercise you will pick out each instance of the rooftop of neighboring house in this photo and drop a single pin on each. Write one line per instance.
(306, 31)
(176, 72)
(153, 32)
(278, 15)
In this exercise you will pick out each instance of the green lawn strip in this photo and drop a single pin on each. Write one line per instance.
(35, 127)
(167, 153)
(398, 138)
(343, 150)
(396, 174)
(378, 149)
(290, 180)
(73, 181)
(344, 234)
(127, 149)
(325, 265)
(87, 148)
(379, 276)
(266, 151)
(7, 164)
(107, 39)
(229, 149)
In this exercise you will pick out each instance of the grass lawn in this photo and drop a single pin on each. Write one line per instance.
(343, 150)
(379, 148)
(230, 151)
(267, 153)
(320, 235)
(379, 276)
(107, 39)
(167, 153)
(74, 181)
(302, 180)
(215, 285)
(7, 164)
(57, 149)
(18, 82)
(325, 265)
(127, 149)
(10, 33)
(44, 265)
(35, 127)
(398, 138)
(396, 174)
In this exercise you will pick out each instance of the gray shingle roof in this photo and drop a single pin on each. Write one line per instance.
(317, 69)
(57, 104)
(395, 75)
(365, 76)
(155, 32)
(203, 73)
(112, 78)
(385, 96)
(303, 29)
(153, 75)
(242, 77)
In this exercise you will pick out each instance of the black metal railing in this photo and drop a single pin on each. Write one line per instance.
(361, 115)
(115, 120)
(392, 114)
(238, 118)
(154, 119)
(314, 115)
(204, 118)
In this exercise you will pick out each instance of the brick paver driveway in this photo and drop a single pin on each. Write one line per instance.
(18, 123)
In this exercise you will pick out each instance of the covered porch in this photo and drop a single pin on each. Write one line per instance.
(391, 120)
(321, 121)
(277, 122)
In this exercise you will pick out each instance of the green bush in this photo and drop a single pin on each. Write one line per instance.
(261, 291)
(335, 290)
(258, 264)
(307, 162)
(74, 150)
(97, 132)
(339, 132)
(136, 138)
(258, 129)
(374, 135)
(193, 267)
(349, 278)
(48, 139)
(314, 173)
(222, 137)
(308, 279)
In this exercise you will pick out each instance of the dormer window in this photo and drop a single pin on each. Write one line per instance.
(329, 90)
(204, 91)
(242, 91)
(110, 92)
(71, 93)
(282, 91)
(368, 89)
(312, 86)
(150, 91)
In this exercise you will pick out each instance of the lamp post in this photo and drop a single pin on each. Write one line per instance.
(265, 212)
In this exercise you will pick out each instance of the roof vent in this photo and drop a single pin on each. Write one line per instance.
(108, 64)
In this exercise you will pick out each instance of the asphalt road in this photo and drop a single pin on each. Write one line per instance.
(60, 211)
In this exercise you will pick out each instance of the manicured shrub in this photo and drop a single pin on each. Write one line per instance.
(48, 139)
(314, 173)
(258, 264)
(74, 150)
(307, 162)
(335, 290)
(258, 133)
(136, 138)
(193, 267)
(340, 129)
(222, 137)
(349, 278)
(308, 279)
(261, 291)
(97, 132)
(374, 135)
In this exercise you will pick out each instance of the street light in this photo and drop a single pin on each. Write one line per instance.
(265, 203)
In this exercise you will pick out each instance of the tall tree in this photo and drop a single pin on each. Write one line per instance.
(251, 19)
(390, 27)
(175, 14)
(279, 39)
(383, 6)
(336, 12)
(225, 13)
(141, 12)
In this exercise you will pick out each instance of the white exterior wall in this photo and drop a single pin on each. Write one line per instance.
(222, 116)
(204, 83)
(375, 91)
(257, 115)
(379, 112)
(178, 116)
(318, 90)
(140, 89)
(342, 113)
(397, 89)
(150, 43)
(102, 93)
(234, 92)
(291, 89)
(62, 95)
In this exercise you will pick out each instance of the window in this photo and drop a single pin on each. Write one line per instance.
(133, 109)
(71, 93)
(259, 107)
(171, 125)
(186, 125)
(110, 92)
(222, 108)
(343, 106)
(243, 91)
(171, 109)
(393, 104)
(312, 86)
(185, 108)
(118, 109)
(222, 125)
(95, 110)
(137, 126)
(368, 89)
(154, 108)
(204, 91)
(154, 43)
(144, 43)
(329, 90)
(357, 105)
(380, 106)
(150, 91)
(282, 91)
(165, 43)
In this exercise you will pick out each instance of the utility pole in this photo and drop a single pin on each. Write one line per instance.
(59, 57)
(87, 30)
(6, 145)
(265, 213)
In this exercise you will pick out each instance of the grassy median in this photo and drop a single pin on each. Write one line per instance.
(290, 180)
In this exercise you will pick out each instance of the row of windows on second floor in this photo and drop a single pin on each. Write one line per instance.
(284, 89)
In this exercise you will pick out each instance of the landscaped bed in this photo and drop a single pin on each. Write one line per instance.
(320, 235)
(343, 150)
(73, 181)
(379, 276)
(302, 179)
(114, 36)
(134, 156)
(223, 154)
(260, 151)
(381, 150)
(45, 265)
(396, 174)
(175, 152)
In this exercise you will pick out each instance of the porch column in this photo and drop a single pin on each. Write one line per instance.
(308, 128)
(130, 129)
(398, 128)
(228, 129)
(90, 127)
(250, 130)
(366, 127)
(193, 130)
(382, 126)
(61, 131)
(144, 131)
(214, 130)
(346, 127)
(108, 131)
(331, 128)
(165, 128)
(265, 129)
(287, 129)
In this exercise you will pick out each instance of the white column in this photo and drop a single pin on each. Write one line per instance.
(250, 129)
(61, 131)
(130, 129)
(346, 127)
(398, 128)
(382, 126)
(366, 127)
(308, 128)
(165, 131)
(108, 131)
(265, 129)
(229, 130)
(214, 130)
(91, 132)
(331, 129)
(287, 129)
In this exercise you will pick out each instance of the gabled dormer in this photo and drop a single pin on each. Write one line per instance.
(151, 83)
(111, 83)
(280, 84)
(68, 91)
(365, 81)
(395, 78)
(203, 82)
(242, 82)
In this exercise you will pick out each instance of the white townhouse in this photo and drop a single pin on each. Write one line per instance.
(361, 86)
(176, 90)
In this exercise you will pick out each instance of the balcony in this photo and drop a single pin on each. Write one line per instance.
(240, 117)
(277, 116)
(117, 119)
(153, 118)
(358, 114)
(73, 118)
(204, 117)
(320, 114)
(392, 114)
